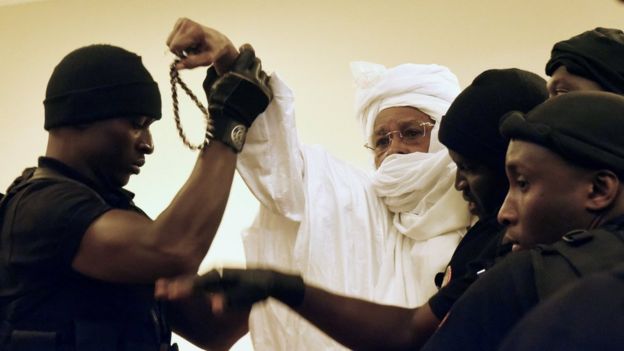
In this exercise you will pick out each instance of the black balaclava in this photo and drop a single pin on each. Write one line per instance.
(470, 126)
(98, 82)
(597, 55)
(584, 127)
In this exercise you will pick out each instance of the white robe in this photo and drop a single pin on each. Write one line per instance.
(321, 217)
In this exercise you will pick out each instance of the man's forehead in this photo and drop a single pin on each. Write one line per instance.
(148, 119)
(390, 119)
(525, 154)
(572, 81)
(458, 157)
(141, 118)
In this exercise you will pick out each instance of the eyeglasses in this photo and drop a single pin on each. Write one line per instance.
(409, 135)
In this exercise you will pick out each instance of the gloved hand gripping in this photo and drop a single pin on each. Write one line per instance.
(244, 287)
(237, 98)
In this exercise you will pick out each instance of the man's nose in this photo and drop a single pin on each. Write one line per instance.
(460, 181)
(507, 215)
(146, 144)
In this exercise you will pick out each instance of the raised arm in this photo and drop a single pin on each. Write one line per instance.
(272, 162)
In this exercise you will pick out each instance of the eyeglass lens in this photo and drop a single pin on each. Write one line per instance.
(410, 134)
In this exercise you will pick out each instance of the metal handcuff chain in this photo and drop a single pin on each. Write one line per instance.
(175, 81)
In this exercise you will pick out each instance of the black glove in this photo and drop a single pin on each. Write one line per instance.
(244, 287)
(237, 98)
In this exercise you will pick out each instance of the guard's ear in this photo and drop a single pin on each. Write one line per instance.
(604, 189)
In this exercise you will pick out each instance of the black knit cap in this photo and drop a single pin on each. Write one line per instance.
(470, 127)
(584, 127)
(98, 82)
(597, 55)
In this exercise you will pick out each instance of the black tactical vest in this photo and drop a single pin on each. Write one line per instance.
(579, 253)
(83, 314)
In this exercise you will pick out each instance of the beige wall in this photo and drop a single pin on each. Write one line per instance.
(310, 44)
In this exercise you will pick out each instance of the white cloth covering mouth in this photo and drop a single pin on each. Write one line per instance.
(418, 188)
(429, 218)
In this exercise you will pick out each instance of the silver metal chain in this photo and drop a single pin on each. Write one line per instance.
(175, 81)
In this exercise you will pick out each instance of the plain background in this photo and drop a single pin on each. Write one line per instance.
(310, 44)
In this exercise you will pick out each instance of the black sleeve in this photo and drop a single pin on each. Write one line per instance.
(489, 308)
(475, 254)
(445, 298)
(49, 222)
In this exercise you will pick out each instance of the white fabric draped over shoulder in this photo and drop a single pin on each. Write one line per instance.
(329, 221)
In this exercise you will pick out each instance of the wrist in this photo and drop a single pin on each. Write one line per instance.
(288, 288)
(234, 96)
(229, 132)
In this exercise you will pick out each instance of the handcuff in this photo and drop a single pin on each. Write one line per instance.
(228, 131)
(175, 81)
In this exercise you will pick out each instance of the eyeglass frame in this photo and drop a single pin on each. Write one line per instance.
(392, 132)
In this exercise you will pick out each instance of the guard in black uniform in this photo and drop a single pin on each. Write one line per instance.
(78, 258)
(470, 132)
(565, 163)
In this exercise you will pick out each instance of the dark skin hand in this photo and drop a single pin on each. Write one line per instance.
(355, 323)
(197, 320)
(198, 45)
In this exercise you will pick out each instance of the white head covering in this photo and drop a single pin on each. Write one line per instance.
(429, 88)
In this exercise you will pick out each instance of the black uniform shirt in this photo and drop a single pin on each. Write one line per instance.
(475, 253)
(44, 223)
(48, 221)
(586, 315)
(486, 311)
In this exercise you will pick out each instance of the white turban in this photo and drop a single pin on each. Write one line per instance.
(429, 88)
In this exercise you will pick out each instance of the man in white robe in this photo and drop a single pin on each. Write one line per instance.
(379, 235)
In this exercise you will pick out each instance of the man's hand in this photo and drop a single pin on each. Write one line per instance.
(240, 94)
(174, 288)
(183, 288)
(236, 86)
(243, 287)
(198, 45)
(236, 289)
